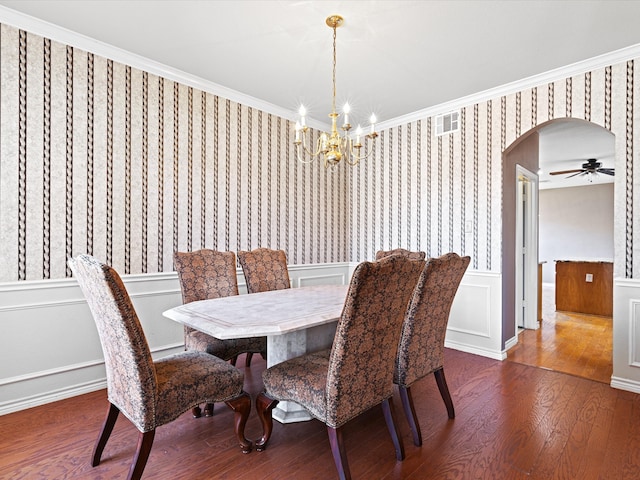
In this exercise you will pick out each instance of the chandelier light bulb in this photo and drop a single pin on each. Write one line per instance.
(298, 131)
(302, 112)
(346, 109)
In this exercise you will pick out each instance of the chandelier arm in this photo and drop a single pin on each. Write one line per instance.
(301, 158)
(305, 148)
(350, 156)
(357, 158)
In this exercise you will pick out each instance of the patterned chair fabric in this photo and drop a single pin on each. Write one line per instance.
(357, 373)
(264, 269)
(421, 348)
(206, 274)
(148, 393)
(401, 251)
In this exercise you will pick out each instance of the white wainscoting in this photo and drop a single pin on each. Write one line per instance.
(626, 335)
(49, 347)
(475, 323)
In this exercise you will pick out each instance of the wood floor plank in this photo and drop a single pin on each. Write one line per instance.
(556, 395)
(601, 425)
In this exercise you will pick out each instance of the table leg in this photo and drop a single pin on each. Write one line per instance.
(291, 345)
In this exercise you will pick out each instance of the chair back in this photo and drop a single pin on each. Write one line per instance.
(206, 274)
(131, 376)
(421, 349)
(360, 373)
(400, 251)
(264, 269)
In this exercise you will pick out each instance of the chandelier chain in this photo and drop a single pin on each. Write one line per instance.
(333, 104)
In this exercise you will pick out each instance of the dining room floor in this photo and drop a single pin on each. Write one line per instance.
(513, 422)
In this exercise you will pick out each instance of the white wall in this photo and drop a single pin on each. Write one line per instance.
(576, 223)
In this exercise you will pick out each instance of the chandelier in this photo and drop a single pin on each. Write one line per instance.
(333, 146)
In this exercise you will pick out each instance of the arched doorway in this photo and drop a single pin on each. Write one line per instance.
(525, 154)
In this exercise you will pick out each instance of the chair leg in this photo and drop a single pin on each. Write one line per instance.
(107, 428)
(241, 407)
(389, 416)
(208, 410)
(247, 360)
(234, 359)
(444, 391)
(264, 407)
(196, 412)
(339, 452)
(410, 413)
(145, 441)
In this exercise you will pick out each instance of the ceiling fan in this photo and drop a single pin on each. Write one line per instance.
(592, 166)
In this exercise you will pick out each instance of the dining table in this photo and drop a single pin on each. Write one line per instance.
(295, 321)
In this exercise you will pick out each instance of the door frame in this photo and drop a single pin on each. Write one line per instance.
(526, 251)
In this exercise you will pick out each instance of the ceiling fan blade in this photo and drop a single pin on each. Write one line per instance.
(607, 171)
(563, 172)
(580, 172)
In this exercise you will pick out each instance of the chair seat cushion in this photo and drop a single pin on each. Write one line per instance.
(193, 377)
(301, 379)
(224, 349)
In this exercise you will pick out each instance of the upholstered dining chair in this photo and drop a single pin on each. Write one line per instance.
(400, 251)
(421, 348)
(356, 374)
(150, 393)
(206, 274)
(264, 269)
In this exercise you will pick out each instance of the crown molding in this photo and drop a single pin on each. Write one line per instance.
(83, 42)
(68, 37)
(578, 68)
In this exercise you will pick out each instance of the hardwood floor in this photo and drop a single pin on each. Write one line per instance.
(513, 421)
(572, 343)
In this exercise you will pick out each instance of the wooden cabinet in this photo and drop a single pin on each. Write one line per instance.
(574, 291)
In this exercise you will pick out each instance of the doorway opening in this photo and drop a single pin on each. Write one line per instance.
(573, 142)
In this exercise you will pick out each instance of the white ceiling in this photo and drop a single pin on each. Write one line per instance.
(393, 57)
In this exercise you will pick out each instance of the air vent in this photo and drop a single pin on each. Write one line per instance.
(447, 123)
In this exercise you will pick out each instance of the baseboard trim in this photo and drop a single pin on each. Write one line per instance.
(52, 396)
(512, 342)
(625, 384)
(68, 391)
(495, 355)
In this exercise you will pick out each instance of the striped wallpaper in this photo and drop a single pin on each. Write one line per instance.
(103, 158)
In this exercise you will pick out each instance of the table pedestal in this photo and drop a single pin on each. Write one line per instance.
(291, 345)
